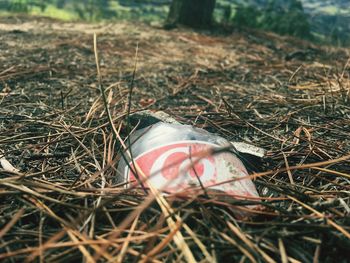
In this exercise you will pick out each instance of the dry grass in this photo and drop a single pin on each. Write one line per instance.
(63, 204)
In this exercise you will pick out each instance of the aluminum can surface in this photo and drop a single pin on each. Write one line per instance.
(176, 158)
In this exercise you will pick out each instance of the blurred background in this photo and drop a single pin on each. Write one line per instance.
(321, 21)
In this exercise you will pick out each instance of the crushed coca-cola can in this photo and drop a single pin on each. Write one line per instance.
(178, 158)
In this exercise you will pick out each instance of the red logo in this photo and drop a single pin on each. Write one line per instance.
(178, 166)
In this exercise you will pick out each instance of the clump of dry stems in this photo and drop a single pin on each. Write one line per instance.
(66, 139)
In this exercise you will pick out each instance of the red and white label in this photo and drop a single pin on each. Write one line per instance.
(178, 166)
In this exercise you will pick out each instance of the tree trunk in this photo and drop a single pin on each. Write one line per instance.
(192, 13)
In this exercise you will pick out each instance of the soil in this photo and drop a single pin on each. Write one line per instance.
(288, 96)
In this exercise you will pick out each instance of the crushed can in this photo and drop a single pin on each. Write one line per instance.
(178, 158)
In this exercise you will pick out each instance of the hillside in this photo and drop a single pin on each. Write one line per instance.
(288, 96)
(329, 19)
